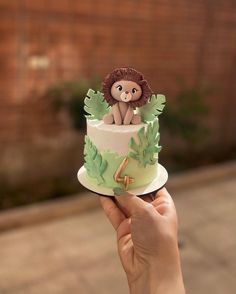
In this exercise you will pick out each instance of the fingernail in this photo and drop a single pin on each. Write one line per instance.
(118, 191)
(121, 192)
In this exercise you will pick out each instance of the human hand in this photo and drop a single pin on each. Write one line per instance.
(147, 241)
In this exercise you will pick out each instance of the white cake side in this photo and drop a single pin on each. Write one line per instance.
(112, 138)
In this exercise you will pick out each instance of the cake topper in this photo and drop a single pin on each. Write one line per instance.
(125, 89)
(117, 159)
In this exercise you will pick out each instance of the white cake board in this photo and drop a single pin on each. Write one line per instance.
(156, 184)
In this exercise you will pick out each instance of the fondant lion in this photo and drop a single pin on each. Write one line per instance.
(125, 89)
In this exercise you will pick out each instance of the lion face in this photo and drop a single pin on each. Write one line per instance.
(126, 91)
(127, 85)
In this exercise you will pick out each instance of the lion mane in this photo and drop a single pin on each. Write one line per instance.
(128, 74)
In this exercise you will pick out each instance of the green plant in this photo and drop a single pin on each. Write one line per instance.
(183, 119)
(69, 95)
(183, 122)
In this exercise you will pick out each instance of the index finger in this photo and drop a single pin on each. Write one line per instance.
(112, 211)
(133, 205)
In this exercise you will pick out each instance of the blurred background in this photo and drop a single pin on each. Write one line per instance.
(51, 52)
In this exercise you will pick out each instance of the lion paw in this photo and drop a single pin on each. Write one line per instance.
(108, 119)
(136, 120)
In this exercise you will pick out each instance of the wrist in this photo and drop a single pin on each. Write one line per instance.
(158, 279)
(153, 284)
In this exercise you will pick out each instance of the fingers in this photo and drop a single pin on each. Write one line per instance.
(125, 229)
(147, 198)
(133, 205)
(113, 213)
(164, 203)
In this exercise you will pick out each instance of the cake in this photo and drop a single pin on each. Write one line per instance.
(122, 141)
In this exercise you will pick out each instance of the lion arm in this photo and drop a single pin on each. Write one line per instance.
(128, 116)
(116, 114)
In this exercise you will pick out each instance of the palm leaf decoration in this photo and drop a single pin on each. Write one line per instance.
(94, 163)
(153, 108)
(145, 150)
(95, 105)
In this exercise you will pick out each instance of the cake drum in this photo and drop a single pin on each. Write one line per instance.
(156, 184)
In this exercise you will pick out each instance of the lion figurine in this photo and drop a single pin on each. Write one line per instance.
(125, 89)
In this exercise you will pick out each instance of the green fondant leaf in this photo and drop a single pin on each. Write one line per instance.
(133, 144)
(94, 163)
(95, 105)
(133, 155)
(158, 149)
(145, 151)
(153, 108)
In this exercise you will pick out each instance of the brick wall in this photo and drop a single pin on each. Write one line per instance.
(163, 39)
(46, 41)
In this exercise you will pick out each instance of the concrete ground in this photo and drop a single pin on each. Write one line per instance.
(77, 253)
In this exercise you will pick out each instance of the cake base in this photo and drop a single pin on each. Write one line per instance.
(156, 184)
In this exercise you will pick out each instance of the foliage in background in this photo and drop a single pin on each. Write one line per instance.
(33, 192)
(153, 108)
(95, 105)
(184, 122)
(69, 96)
(184, 118)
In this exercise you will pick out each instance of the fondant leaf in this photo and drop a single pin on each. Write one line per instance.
(95, 105)
(94, 163)
(145, 151)
(153, 108)
(133, 144)
(133, 155)
(158, 149)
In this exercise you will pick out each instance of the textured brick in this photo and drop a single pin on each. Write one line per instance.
(164, 39)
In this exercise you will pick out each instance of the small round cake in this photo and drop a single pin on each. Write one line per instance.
(122, 142)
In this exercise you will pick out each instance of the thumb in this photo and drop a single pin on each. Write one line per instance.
(164, 203)
(133, 205)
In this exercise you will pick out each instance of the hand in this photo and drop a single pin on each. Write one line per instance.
(147, 241)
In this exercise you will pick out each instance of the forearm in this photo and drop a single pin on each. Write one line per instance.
(148, 284)
(159, 279)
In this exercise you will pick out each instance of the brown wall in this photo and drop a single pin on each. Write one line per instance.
(163, 39)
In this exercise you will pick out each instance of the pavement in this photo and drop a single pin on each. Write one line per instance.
(77, 253)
